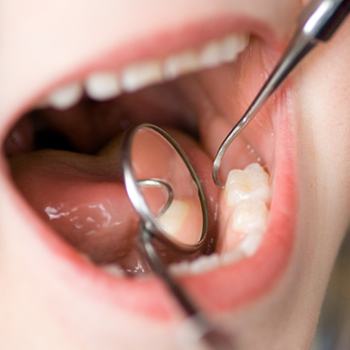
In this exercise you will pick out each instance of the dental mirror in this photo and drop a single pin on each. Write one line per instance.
(164, 188)
(167, 195)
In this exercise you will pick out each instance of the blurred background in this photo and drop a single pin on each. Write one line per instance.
(334, 327)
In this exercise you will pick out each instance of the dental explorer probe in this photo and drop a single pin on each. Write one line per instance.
(318, 22)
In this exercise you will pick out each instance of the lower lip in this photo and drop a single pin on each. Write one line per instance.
(222, 289)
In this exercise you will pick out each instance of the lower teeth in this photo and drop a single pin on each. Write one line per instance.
(244, 209)
(244, 214)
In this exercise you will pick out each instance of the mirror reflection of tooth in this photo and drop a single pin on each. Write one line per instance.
(175, 217)
(250, 183)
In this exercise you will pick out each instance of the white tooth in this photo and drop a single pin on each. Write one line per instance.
(102, 86)
(210, 56)
(232, 45)
(139, 75)
(113, 269)
(174, 218)
(182, 63)
(230, 257)
(180, 268)
(249, 216)
(250, 244)
(199, 265)
(250, 183)
(66, 96)
(204, 263)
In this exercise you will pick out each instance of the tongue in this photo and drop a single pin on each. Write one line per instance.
(83, 198)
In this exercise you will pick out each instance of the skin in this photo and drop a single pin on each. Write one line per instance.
(34, 305)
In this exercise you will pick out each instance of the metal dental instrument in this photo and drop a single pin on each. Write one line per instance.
(318, 22)
(137, 177)
(159, 183)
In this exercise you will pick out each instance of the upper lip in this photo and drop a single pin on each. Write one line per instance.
(149, 296)
(141, 47)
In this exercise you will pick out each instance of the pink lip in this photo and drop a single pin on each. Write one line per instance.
(226, 287)
(157, 45)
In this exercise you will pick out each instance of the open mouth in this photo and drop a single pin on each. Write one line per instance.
(64, 159)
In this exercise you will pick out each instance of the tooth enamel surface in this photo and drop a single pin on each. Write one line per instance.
(102, 86)
(232, 45)
(105, 85)
(182, 63)
(113, 269)
(250, 244)
(246, 199)
(210, 55)
(140, 75)
(66, 96)
(250, 183)
(173, 219)
(249, 216)
(200, 265)
(207, 263)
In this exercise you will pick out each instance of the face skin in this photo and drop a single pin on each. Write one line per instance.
(43, 43)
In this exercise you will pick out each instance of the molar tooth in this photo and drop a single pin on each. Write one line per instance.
(230, 257)
(204, 263)
(250, 244)
(66, 96)
(210, 55)
(180, 268)
(102, 86)
(250, 183)
(245, 226)
(140, 75)
(232, 45)
(249, 216)
(181, 63)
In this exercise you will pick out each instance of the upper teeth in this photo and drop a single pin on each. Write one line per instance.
(139, 75)
(65, 96)
(102, 85)
(106, 85)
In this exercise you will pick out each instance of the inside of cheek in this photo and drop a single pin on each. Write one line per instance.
(67, 163)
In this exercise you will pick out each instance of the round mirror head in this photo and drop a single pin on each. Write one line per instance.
(164, 188)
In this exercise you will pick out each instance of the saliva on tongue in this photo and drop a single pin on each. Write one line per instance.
(82, 197)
